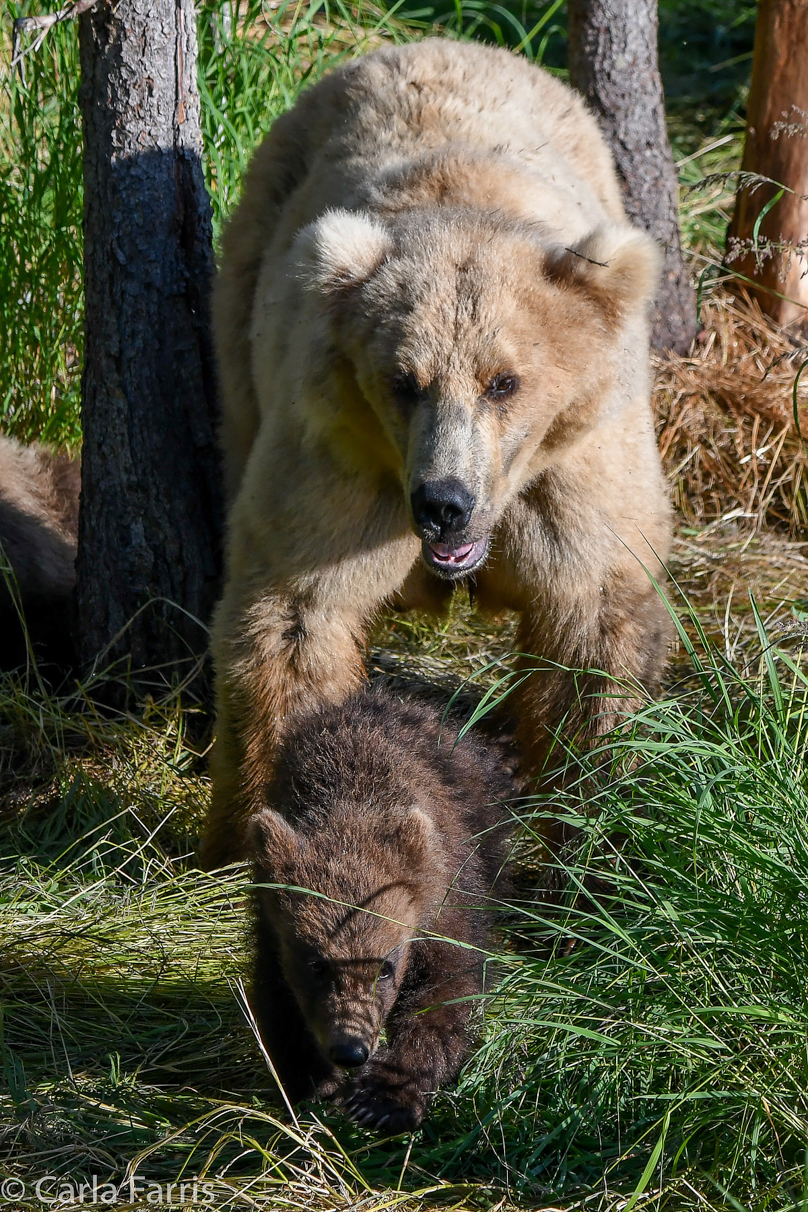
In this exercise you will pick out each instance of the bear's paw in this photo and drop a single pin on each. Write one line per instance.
(385, 1097)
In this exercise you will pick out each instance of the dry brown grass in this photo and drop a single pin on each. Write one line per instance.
(719, 571)
(726, 421)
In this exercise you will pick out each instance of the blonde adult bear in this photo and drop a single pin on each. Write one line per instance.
(431, 324)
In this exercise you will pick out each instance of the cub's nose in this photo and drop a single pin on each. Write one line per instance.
(442, 506)
(350, 1054)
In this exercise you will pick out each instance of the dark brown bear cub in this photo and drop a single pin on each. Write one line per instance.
(399, 833)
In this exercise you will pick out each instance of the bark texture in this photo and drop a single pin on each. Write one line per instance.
(776, 257)
(150, 511)
(613, 62)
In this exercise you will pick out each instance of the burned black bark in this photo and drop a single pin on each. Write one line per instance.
(613, 62)
(149, 530)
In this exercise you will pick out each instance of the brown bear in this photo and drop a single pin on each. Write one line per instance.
(400, 832)
(39, 519)
(432, 335)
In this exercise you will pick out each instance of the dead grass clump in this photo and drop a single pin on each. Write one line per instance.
(727, 421)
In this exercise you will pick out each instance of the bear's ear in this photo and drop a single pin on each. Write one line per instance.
(416, 834)
(616, 264)
(342, 249)
(271, 840)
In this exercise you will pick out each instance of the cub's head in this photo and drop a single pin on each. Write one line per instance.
(353, 894)
(481, 345)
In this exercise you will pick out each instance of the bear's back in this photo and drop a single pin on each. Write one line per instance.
(439, 94)
(510, 135)
(383, 755)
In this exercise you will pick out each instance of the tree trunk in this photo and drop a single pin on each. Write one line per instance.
(613, 63)
(776, 256)
(149, 527)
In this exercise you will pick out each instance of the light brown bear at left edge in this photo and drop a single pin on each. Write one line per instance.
(431, 322)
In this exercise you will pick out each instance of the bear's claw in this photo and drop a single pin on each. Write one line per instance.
(372, 1102)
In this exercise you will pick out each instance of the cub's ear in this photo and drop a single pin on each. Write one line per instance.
(616, 264)
(342, 249)
(416, 835)
(271, 840)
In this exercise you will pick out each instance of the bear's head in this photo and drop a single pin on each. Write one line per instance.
(484, 346)
(345, 900)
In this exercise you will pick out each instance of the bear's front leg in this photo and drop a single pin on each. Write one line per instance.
(428, 1033)
(597, 655)
(280, 654)
(573, 558)
(297, 1061)
(288, 635)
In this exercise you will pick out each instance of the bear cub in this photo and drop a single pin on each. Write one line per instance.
(39, 523)
(398, 832)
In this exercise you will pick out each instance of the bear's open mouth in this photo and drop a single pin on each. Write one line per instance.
(454, 562)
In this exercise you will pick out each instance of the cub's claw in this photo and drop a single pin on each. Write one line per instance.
(381, 1097)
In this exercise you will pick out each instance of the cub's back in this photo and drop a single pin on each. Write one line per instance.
(387, 754)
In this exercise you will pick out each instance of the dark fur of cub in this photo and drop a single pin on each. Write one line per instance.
(39, 514)
(403, 833)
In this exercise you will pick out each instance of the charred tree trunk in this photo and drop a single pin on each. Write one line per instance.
(150, 508)
(776, 255)
(613, 62)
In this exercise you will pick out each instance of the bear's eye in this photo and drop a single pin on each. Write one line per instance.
(319, 966)
(386, 971)
(407, 390)
(502, 386)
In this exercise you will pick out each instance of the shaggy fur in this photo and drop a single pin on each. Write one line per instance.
(431, 323)
(39, 518)
(401, 831)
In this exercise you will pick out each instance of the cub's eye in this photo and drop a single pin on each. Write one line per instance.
(502, 386)
(386, 971)
(407, 390)
(319, 967)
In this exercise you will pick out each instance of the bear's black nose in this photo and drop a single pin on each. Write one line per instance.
(442, 506)
(350, 1054)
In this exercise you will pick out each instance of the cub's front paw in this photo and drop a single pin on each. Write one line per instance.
(385, 1098)
(328, 1086)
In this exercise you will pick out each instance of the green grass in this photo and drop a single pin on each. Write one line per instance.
(41, 297)
(661, 1044)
